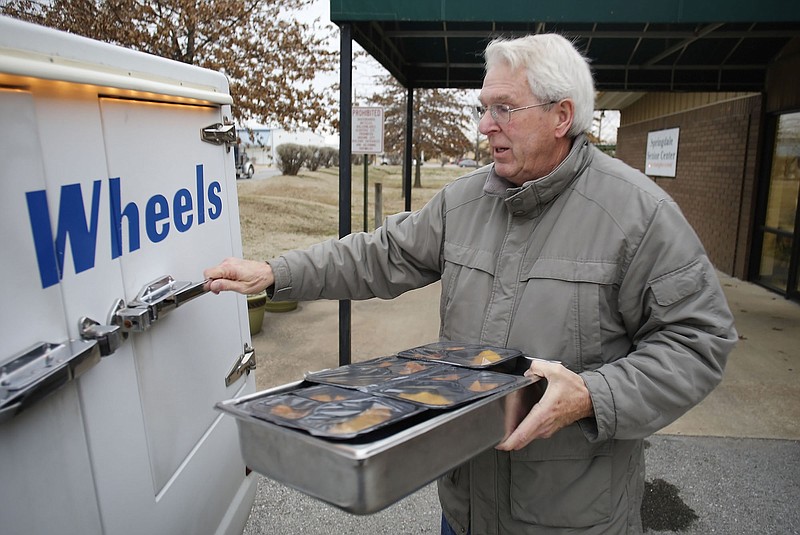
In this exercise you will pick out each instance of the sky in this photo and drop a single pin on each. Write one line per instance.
(367, 71)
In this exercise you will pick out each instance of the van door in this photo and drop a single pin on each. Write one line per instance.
(172, 464)
(43, 449)
(114, 194)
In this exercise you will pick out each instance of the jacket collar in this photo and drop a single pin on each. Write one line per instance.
(533, 196)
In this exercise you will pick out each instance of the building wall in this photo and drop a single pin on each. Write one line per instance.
(783, 85)
(716, 167)
(653, 105)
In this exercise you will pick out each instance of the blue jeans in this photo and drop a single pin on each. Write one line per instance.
(447, 529)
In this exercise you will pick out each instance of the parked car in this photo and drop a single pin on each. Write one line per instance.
(244, 165)
(467, 162)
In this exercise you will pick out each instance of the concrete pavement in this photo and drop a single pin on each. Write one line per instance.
(731, 465)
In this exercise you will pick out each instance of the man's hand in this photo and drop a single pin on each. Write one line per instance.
(243, 276)
(566, 400)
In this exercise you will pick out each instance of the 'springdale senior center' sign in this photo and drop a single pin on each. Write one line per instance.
(662, 152)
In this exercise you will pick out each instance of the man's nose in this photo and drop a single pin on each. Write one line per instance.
(487, 124)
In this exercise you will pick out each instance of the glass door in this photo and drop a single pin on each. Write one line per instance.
(779, 268)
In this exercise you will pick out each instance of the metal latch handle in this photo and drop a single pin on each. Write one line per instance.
(154, 300)
(41, 370)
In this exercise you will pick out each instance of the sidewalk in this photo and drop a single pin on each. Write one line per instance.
(731, 465)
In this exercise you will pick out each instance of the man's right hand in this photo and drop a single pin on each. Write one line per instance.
(237, 275)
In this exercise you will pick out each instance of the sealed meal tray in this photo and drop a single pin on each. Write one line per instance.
(374, 470)
(447, 386)
(330, 411)
(366, 374)
(467, 355)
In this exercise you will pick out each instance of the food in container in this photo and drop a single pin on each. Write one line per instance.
(347, 419)
(371, 417)
(330, 412)
(444, 372)
(485, 386)
(485, 381)
(364, 375)
(446, 387)
(458, 354)
(487, 356)
(475, 381)
(327, 393)
(445, 377)
(283, 408)
(429, 398)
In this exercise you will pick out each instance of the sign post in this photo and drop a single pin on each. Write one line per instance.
(367, 138)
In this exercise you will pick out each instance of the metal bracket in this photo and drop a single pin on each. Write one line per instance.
(223, 133)
(244, 363)
(41, 370)
(109, 337)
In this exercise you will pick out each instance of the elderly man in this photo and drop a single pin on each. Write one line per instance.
(564, 253)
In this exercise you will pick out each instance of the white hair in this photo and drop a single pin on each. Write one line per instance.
(555, 68)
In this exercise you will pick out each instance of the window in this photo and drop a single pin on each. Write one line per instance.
(778, 267)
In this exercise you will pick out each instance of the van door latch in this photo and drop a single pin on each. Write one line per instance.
(42, 369)
(154, 301)
(109, 337)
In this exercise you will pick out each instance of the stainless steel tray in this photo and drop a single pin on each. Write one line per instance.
(363, 477)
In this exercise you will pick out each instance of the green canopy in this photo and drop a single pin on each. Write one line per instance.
(665, 45)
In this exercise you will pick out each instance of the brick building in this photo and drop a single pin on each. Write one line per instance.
(736, 177)
(716, 161)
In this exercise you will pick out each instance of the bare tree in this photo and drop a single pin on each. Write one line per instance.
(270, 58)
(440, 121)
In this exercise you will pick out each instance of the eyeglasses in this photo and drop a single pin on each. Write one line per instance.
(501, 113)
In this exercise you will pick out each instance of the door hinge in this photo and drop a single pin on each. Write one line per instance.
(244, 363)
(223, 133)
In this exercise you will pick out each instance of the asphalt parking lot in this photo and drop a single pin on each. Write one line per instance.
(695, 486)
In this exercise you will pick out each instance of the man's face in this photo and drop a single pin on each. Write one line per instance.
(531, 144)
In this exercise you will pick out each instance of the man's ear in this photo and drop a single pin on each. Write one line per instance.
(565, 113)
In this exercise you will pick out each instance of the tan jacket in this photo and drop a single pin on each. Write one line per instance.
(593, 265)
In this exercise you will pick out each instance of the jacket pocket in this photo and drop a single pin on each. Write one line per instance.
(453, 489)
(673, 287)
(467, 277)
(562, 482)
(470, 257)
(560, 314)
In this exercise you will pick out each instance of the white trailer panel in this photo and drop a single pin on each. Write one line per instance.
(108, 186)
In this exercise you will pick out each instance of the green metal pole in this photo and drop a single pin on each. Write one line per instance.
(345, 174)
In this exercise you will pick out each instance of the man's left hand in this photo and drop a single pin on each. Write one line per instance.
(566, 400)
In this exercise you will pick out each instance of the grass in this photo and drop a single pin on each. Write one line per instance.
(281, 213)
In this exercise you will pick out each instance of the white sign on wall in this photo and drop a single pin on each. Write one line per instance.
(367, 136)
(662, 152)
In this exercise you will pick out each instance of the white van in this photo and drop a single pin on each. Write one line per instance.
(118, 189)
